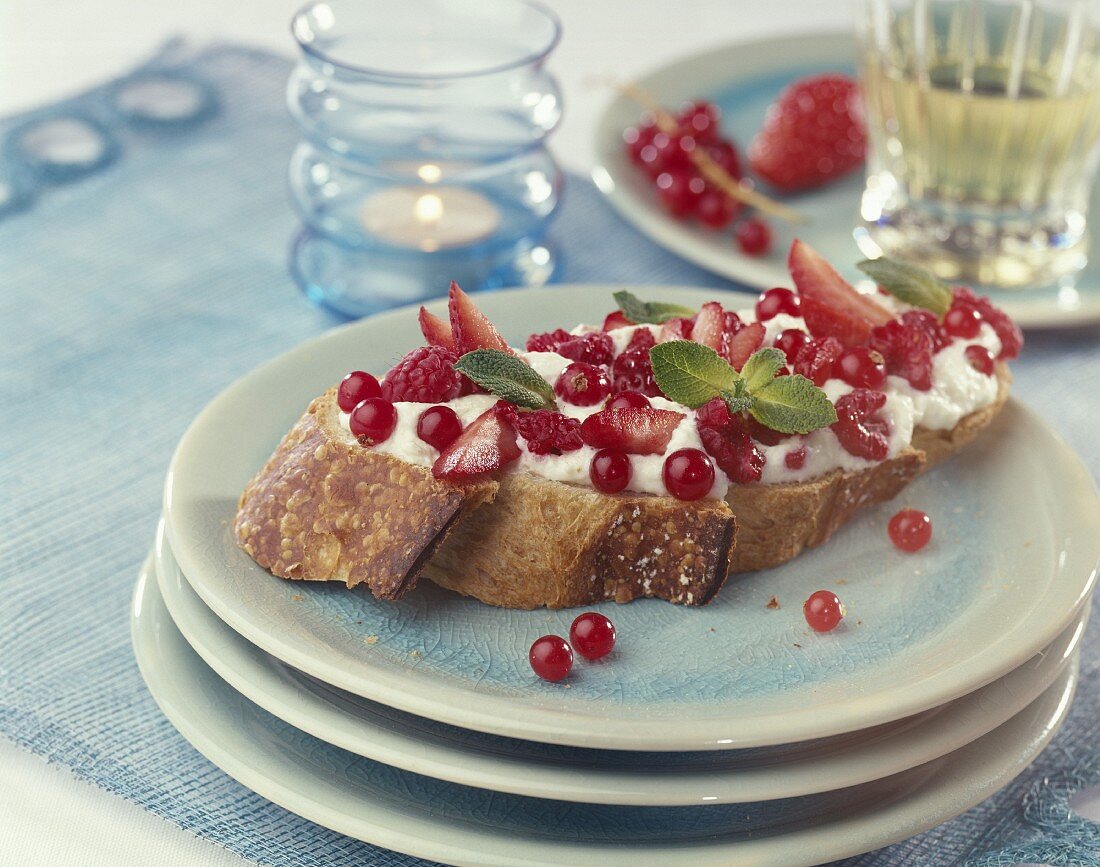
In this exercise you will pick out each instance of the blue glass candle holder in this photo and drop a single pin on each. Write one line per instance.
(423, 157)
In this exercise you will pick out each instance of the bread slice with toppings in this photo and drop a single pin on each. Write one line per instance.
(325, 508)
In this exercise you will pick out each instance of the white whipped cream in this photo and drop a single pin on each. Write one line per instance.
(957, 390)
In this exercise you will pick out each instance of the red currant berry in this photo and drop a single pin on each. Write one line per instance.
(791, 341)
(438, 426)
(861, 367)
(725, 155)
(583, 384)
(356, 386)
(776, 301)
(962, 321)
(551, 657)
(823, 611)
(373, 418)
(680, 191)
(610, 471)
(636, 138)
(980, 358)
(628, 400)
(592, 635)
(754, 236)
(910, 530)
(700, 119)
(715, 209)
(796, 458)
(688, 474)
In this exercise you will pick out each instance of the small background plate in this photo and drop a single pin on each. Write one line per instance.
(743, 79)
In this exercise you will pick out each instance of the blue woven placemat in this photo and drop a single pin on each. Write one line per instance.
(129, 299)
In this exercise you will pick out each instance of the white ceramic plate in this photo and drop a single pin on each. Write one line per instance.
(743, 79)
(597, 776)
(460, 825)
(1015, 555)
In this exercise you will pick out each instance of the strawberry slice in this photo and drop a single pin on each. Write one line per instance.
(436, 331)
(487, 445)
(615, 319)
(744, 343)
(675, 329)
(635, 430)
(709, 326)
(471, 328)
(830, 306)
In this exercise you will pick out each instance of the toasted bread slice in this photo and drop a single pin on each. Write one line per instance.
(776, 522)
(324, 508)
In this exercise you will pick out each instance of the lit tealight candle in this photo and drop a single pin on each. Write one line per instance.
(429, 218)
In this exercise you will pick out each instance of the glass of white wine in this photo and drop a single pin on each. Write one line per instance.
(984, 127)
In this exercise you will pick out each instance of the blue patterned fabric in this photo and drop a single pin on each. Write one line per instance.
(129, 298)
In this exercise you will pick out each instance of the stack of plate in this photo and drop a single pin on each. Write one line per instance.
(725, 734)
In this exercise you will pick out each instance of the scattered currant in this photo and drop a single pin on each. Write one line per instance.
(592, 635)
(438, 426)
(860, 367)
(776, 301)
(823, 611)
(688, 474)
(754, 236)
(910, 530)
(980, 358)
(551, 657)
(628, 400)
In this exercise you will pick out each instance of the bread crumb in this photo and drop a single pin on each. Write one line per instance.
(841, 581)
(773, 603)
(712, 629)
(415, 654)
(371, 639)
(297, 597)
(799, 646)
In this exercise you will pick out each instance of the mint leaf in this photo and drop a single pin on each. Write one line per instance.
(909, 283)
(648, 312)
(690, 373)
(762, 367)
(792, 404)
(507, 377)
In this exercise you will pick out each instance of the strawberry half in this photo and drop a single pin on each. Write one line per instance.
(830, 305)
(709, 326)
(470, 327)
(634, 430)
(615, 319)
(812, 133)
(744, 343)
(436, 331)
(675, 329)
(487, 445)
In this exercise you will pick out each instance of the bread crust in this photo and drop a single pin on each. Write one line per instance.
(545, 543)
(323, 508)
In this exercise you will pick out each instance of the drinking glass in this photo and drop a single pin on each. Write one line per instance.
(984, 120)
(423, 157)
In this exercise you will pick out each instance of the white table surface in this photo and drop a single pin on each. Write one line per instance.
(49, 818)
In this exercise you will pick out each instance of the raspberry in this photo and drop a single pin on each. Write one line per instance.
(641, 339)
(816, 358)
(425, 375)
(548, 433)
(796, 458)
(764, 434)
(907, 351)
(726, 439)
(859, 427)
(595, 348)
(1012, 339)
(548, 341)
(926, 321)
(633, 371)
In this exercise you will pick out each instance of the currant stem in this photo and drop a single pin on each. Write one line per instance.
(708, 168)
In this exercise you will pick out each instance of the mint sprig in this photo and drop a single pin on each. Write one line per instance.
(909, 283)
(507, 377)
(649, 312)
(692, 374)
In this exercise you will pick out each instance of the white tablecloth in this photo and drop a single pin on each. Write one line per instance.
(48, 818)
